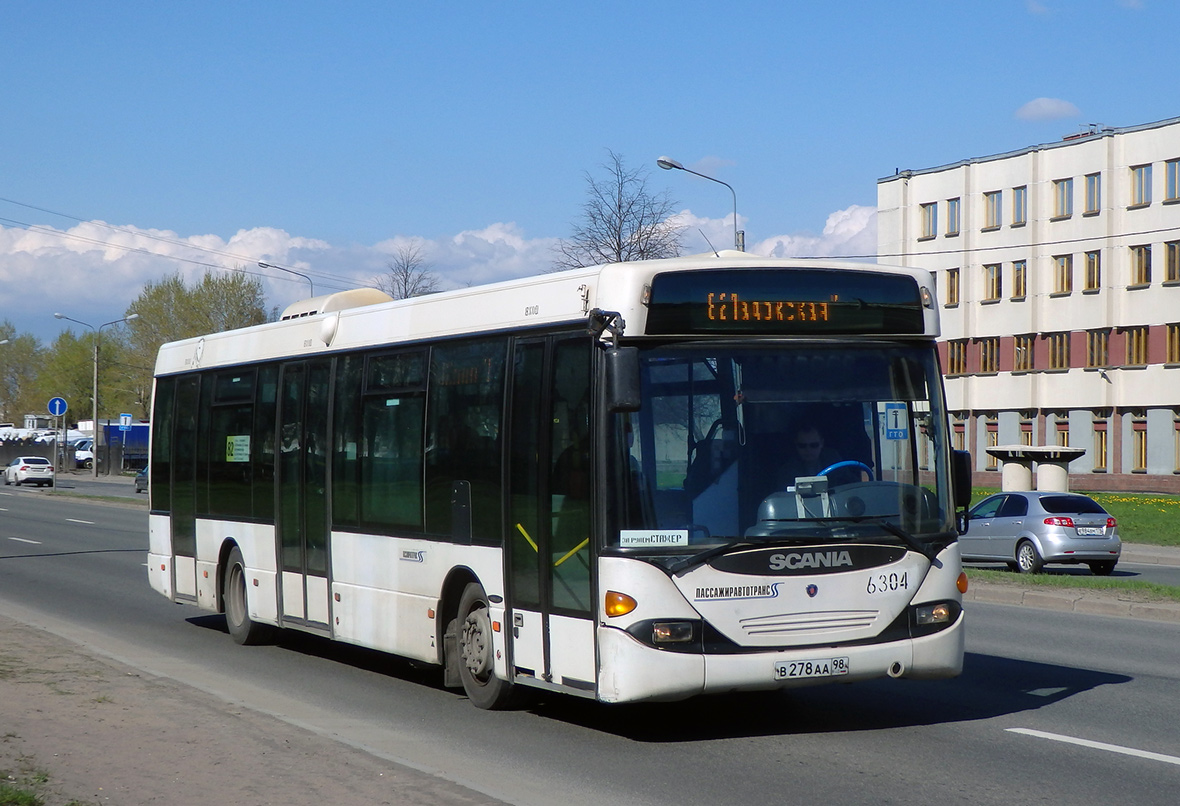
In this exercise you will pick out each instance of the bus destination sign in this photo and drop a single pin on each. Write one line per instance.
(791, 301)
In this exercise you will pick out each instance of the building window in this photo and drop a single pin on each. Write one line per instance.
(993, 282)
(1093, 271)
(1173, 351)
(1062, 274)
(1019, 279)
(1058, 350)
(1139, 447)
(1026, 434)
(1176, 449)
(989, 355)
(1097, 348)
(1172, 262)
(1141, 265)
(1093, 193)
(952, 217)
(1062, 198)
(957, 357)
(952, 287)
(1100, 446)
(1019, 206)
(1062, 433)
(958, 432)
(1136, 338)
(929, 220)
(992, 206)
(1141, 185)
(1025, 356)
(1172, 175)
(993, 439)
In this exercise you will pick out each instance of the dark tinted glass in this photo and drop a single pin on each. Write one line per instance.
(1014, 506)
(1064, 504)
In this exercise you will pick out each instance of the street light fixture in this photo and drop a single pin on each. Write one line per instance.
(310, 284)
(94, 394)
(739, 236)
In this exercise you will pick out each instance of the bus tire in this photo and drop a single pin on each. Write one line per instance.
(476, 654)
(243, 629)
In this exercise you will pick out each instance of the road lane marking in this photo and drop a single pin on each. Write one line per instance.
(1110, 748)
(75, 520)
(22, 540)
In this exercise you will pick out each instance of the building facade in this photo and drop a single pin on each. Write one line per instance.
(1058, 270)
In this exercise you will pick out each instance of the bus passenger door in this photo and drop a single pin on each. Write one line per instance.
(549, 528)
(301, 514)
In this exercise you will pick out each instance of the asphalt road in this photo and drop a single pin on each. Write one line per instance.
(1052, 707)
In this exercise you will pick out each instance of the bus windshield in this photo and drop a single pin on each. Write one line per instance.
(791, 441)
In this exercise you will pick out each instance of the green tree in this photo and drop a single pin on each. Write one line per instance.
(19, 362)
(621, 220)
(67, 371)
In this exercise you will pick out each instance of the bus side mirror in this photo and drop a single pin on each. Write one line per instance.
(961, 478)
(622, 379)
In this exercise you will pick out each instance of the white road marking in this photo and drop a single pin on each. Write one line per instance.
(1110, 748)
(75, 520)
(22, 540)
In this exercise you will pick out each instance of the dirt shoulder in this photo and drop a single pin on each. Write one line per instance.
(75, 729)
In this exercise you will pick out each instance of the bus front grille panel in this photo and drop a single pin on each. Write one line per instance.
(809, 622)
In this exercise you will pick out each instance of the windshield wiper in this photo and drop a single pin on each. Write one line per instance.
(895, 530)
(702, 557)
(676, 569)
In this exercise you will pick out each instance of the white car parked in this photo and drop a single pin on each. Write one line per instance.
(29, 470)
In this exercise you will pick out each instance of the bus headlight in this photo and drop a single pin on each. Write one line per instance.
(933, 614)
(671, 632)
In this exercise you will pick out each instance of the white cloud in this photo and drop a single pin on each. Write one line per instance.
(92, 271)
(851, 232)
(1047, 109)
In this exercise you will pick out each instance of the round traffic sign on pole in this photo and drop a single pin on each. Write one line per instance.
(57, 406)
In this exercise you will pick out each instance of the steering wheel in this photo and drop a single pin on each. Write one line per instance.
(847, 463)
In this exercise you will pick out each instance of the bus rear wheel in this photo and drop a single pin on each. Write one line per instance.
(243, 629)
(476, 653)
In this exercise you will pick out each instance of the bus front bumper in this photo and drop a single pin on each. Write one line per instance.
(630, 671)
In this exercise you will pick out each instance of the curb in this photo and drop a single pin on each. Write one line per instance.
(1092, 603)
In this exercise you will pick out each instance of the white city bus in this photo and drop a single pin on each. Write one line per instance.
(579, 482)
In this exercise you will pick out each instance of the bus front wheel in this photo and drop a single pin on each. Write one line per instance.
(476, 652)
(242, 628)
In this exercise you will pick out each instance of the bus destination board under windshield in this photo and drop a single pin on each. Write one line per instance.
(793, 301)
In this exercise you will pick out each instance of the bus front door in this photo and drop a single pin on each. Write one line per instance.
(301, 514)
(549, 551)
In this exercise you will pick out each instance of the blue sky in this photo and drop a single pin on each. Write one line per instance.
(321, 136)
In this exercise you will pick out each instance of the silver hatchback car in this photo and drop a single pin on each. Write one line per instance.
(1028, 529)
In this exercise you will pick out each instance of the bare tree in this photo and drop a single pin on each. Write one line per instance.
(621, 220)
(410, 273)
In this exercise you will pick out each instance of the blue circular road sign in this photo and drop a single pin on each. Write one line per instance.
(57, 406)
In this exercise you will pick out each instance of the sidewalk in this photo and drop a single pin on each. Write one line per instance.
(1094, 602)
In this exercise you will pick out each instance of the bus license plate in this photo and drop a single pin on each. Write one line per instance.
(796, 669)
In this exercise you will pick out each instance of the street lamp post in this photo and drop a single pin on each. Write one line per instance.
(739, 236)
(310, 284)
(94, 394)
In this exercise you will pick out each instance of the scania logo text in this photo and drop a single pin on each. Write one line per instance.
(810, 559)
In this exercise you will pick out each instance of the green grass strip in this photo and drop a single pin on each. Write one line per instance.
(1128, 588)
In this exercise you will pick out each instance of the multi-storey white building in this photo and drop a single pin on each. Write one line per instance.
(1058, 268)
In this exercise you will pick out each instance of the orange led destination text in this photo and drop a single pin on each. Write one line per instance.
(727, 307)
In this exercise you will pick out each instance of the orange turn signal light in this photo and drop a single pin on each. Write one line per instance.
(618, 604)
(962, 582)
